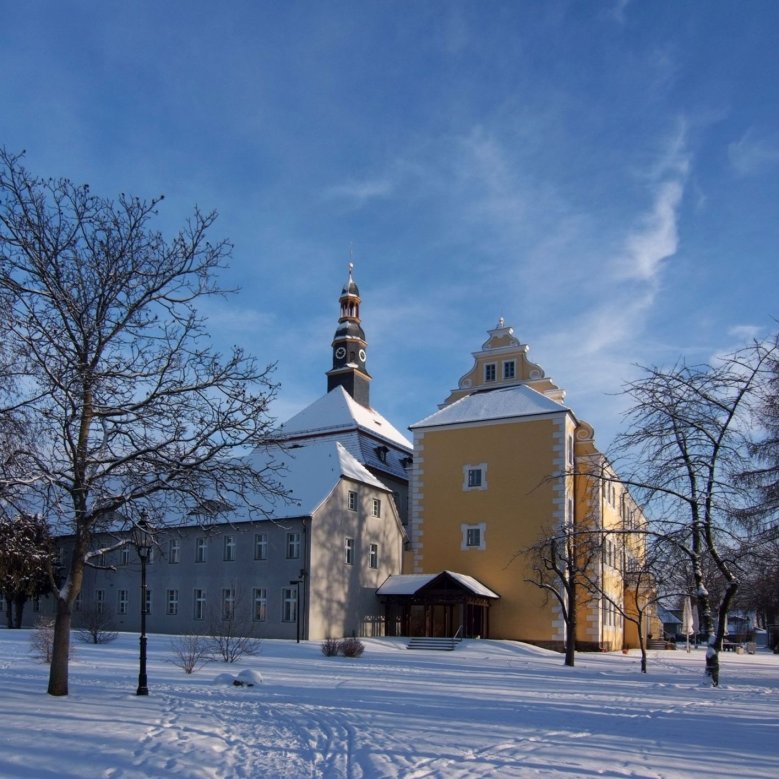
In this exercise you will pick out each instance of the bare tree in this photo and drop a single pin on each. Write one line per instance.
(232, 635)
(559, 560)
(685, 444)
(130, 405)
(191, 652)
(762, 477)
(96, 625)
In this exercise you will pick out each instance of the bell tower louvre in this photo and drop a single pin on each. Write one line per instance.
(349, 348)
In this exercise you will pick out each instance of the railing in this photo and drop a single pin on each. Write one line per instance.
(458, 636)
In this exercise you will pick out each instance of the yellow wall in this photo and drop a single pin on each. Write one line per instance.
(518, 503)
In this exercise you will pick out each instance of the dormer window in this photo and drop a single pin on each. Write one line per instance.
(381, 453)
(509, 370)
(489, 372)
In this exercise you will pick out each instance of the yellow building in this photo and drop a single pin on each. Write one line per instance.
(502, 464)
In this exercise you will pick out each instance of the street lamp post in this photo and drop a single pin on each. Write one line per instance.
(142, 540)
(297, 583)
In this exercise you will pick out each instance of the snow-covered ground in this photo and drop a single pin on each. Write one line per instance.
(489, 709)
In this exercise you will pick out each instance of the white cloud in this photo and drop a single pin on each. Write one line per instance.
(751, 155)
(656, 237)
(357, 193)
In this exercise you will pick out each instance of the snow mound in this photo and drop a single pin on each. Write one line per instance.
(246, 678)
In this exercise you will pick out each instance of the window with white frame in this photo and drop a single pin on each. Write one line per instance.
(200, 604)
(376, 507)
(229, 549)
(349, 551)
(124, 555)
(374, 556)
(352, 500)
(100, 601)
(490, 371)
(171, 602)
(260, 599)
(122, 601)
(293, 546)
(475, 476)
(228, 603)
(174, 550)
(473, 536)
(509, 369)
(289, 604)
(261, 546)
(201, 549)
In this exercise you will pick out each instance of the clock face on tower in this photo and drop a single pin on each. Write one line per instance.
(340, 353)
(362, 355)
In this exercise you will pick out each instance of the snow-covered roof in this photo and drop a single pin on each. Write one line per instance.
(409, 584)
(503, 403)
(311, 471)
(338, 411)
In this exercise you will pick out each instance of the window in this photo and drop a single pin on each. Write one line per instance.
(374, 556)
(261, 546)
(475, 476)
(348, 551)
(124, 555)
(100, 601)
(200, 604)
(228, 603)
(509, 369)
(122, 600)
(489, 371)
(171, 602)
(570, 450)
(260, 598)
(376, 507)
(293, 546)
(229, 553)
(289, 604)
(200, 549)
(174, 550)
(474, 536)
(352, 500)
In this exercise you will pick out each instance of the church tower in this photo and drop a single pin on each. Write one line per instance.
(349, 347)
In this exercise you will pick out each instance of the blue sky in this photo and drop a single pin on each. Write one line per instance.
(604, 175)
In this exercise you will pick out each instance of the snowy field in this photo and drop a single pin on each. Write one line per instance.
(489, 709)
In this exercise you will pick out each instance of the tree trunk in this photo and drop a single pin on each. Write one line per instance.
(570, 643)
(19, 602)
(58, 671)
(641, 643)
